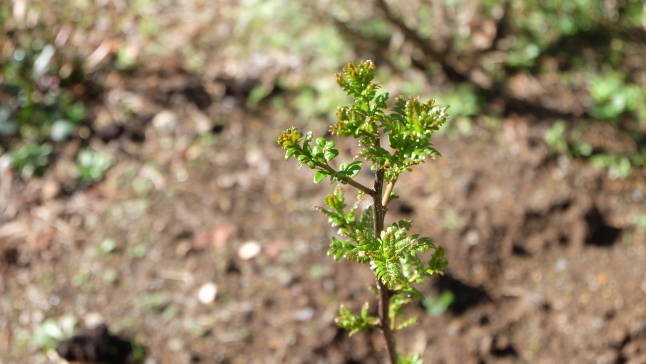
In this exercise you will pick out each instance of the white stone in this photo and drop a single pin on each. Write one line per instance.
(206, 294)
(304, 314)
(249, 250)
(165, 122)
(93, 319)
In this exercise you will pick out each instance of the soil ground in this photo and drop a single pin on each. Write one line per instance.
(546, 265)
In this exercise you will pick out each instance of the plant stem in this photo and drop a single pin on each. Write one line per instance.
(385, 199)
(347, 180)
(384, 292)
(358, 186)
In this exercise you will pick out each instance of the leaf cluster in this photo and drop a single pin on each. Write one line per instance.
(394, 256)
(409, 127)
(355, 323)
(316, 156)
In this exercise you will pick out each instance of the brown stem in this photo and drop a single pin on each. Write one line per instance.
(384, 292)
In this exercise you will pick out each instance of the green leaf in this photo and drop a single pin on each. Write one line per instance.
(438, 261)
(353, 168)
(380, 101)
(407, 323)
(396, 141)
(319, 176)
(410, 359)
(290, 153)
(435, 306)
(330, 154)
(356, 323)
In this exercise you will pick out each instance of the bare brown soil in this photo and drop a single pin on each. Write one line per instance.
(545, 263)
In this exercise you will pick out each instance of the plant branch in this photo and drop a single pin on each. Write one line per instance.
(367, 190)
(385, 199)
(384, 292)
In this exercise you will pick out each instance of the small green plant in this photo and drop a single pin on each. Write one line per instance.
(437, 305)
(613, 96)
(570, 143)
(393, 255)
(92, 166)
(50, 332)
(31, 158)
(639, 221)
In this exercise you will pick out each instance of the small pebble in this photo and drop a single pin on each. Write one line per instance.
(93, 319)
(207, 293)
(472, 237)
(249, 250)
(304, 314)
(165, 122)
(560, 265)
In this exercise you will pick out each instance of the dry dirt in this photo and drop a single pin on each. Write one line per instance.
(546, 264)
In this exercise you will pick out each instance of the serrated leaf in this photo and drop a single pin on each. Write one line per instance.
(396, 141)
(381, 100)
(414, 292)
(438, 261)
(407, 323)
(344, 311)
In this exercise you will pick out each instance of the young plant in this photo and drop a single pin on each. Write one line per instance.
(393, 255)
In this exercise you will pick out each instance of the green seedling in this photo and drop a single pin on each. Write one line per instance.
(437, 305)
(155, 303)
(107, 246)
(31, 158)
(51, 331)
(392, 142)
(92, 165)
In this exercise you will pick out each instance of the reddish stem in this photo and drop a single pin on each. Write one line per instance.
(384, 292)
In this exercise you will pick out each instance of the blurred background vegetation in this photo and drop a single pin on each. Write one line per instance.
(568, 74)
(574, 71)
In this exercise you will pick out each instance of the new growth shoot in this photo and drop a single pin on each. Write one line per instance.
(393, 255)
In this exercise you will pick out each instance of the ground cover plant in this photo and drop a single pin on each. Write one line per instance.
(393, 255)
